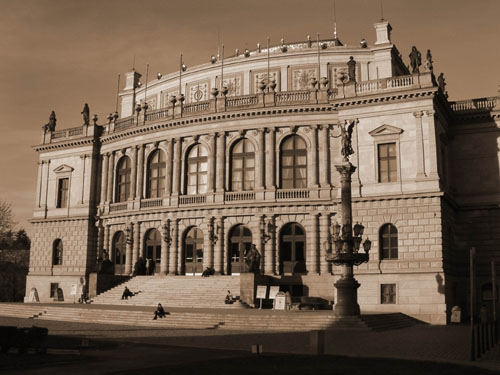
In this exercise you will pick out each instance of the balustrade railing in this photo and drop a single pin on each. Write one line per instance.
(398, 82)
(242, 101)
(75, 131)
(293, 96)
(124, 123)
(192, 199)
(233, 196)
(292, 194)
(480, 104)
(369, 86)
(151, 202)
(196, 107)
(157, 114)
(113, 207)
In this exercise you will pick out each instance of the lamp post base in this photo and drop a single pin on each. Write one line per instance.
(347, 297)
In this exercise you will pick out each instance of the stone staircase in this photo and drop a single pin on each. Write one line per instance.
(176, 291)
(384, 322)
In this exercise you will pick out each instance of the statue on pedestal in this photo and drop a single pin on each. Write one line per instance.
(415, 60)
(428, 61)
(351, 66)
(347, 140)
(86, 114)
(442, 84)
(51, 125)
(252, 260)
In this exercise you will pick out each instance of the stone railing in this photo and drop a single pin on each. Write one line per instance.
(368, 86)
(475, 105)
(399, 82)
(151, 202)
(233, 196)
(157, 114)
(196, 107)
(192, 199)
(124, 123)
(113, 207)
(292, 194)
(242, 101)
(293, 96)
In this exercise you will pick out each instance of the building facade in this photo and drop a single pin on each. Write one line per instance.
(204, 162)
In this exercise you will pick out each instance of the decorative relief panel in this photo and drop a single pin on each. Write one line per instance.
(299, 76)
(261, 75)
(152, 102)
(198, 91)
(339, 73)
(165, 97)
(234, 84)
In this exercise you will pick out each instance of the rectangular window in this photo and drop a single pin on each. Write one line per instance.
(387, 163)
(62, 192)
(388, 293)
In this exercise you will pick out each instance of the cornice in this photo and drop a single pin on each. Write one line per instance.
(66, 144)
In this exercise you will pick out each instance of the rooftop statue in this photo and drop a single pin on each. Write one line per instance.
(428, 61)
(351, 66)
(51, 125)
(442, 84)
(415, 60)
(86, 114)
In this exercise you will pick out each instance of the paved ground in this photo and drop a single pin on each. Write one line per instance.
(127, 346)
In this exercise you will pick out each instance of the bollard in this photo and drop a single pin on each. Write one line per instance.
(317, 342)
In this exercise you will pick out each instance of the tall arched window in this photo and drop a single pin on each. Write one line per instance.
(153, 248)
(242, 166)
(240, 242)
(292, 249)
(388, 242)
(293, 163)
(119, 248)
(193, 252)
(197, 170)
(123, 180)
(156, 175)
(57, 252)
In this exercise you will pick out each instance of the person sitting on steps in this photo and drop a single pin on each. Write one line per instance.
(159, 312)
(229, 298)
(127, 293)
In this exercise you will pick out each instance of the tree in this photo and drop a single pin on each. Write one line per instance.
(6, 220)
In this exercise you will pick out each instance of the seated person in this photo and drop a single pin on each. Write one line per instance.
(159, 312)
(208, 271)
(229, 298)
(127, 293)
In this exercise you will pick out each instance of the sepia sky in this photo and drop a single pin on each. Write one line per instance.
(59, 54)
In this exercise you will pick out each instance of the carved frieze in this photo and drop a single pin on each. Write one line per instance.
(234, 84)
(300, 76)
(261, 75)
(198, 91)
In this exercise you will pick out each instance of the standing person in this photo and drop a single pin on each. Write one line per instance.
(159, 312)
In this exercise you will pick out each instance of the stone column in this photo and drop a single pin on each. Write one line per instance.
(39, 184)
(175, 265)
(177, 166)
(260, 162)
(313, 156)
(140, 174)
(221, 160)
(100, 239)
(46, 190)
(128, 255)
(270, 160)
(208, 248)
(134, 172)
(419, 142)
(111, 173)
(137, 241)
(104, 178)
(211, 164)
(164, 250)
(324, 227)
(324, 174)
(312, 245)
(107, 240)
(219, 247)
(433, 170)
(168, 177)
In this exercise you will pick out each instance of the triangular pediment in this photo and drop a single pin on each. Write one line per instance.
(63, 168)
(385, 130)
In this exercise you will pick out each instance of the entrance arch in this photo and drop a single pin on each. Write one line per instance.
(193, 252)
(153, 249)
(240, 241)
(119, 252)
(292, 249)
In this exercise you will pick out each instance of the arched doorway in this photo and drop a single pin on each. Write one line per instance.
(153, 250)
(119, 252)
(292, 249)
(240, 241)
(193, 252)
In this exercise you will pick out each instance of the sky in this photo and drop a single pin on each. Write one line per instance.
(59, 54)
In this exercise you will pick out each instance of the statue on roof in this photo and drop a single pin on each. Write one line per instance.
(51, 125)
(442, 84)
(428, 61)
(86, 114)
(351, 66)
(415, 60)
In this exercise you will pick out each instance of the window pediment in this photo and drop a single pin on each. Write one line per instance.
(385, 130)
(64, 169)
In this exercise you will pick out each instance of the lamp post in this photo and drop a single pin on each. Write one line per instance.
(347, 239)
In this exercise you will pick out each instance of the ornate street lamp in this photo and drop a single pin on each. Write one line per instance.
(264, 230)
(212, 231)
(347, 239)
(167, 232)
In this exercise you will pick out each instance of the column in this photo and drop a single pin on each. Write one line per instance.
(433, 170)
(83, 158)
(134, 171)
(104, 177)
(275, 247)
(313, 168)
(323, 242)
(221, 161)
(111, 172)
(260, 162)
(137, 240)
(100, 239)
(164, 250)
(168, 177)
(211, 165)
(140, 174)
(324, 174)
(419, 143)
(219, 247)
(177, 166)
(208, 248)
(39, 184)
(312, 245)
(270, 160)
(174, 250)
(106, 240)
(128, 254)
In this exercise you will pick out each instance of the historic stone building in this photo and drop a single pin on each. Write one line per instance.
(247, 153)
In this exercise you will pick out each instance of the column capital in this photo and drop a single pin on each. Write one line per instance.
(323, 126)
(418, 114)
(430, 112)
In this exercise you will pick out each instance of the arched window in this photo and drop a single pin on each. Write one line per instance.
(156, 175)
(153, 249)
(388, 242)
(292, 249)
(193, 252)
(197, 170)
(123, 180)
(119, 248)
(57, 252)
(240, 242)
(293, 163)
(242, 166)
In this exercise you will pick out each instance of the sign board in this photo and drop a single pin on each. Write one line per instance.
(34, 295)
(73, 289)
(273, 291)
(257, 349)
(280, 301)
(261, 291)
